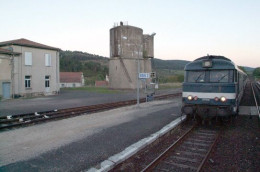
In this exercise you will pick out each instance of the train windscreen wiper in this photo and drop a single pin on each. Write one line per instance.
(222, 77)
(199, 77)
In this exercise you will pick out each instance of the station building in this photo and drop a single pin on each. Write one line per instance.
(28, 69)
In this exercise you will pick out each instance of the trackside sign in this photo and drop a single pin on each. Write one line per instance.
(144, 75)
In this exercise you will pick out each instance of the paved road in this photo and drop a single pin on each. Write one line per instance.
(67, 99)
(79, 143)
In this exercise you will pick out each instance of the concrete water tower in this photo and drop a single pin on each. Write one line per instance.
(128, 45)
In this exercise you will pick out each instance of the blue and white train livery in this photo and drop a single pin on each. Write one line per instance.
(213, 86)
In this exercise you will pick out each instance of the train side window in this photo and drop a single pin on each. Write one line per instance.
(231, 76)
(235, 77)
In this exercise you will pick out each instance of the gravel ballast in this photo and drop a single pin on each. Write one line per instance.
(238, 148)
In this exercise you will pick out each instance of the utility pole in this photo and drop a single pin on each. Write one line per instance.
(137, 81)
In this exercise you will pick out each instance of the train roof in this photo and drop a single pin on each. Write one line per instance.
(218, 63)
(212, 57)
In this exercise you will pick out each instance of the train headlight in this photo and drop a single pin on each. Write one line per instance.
(216, 99)
(223, 99)
(207, 63)
(195, 98)
(189, 98)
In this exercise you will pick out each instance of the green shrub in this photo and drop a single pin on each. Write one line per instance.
(171, 79)
(256, 72)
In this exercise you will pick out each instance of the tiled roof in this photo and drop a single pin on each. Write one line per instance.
(9, 52)
(70, 77)
(27, 43)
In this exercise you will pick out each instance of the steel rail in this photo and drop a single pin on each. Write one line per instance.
(63, 114)
(209, 151)
(168, 151)
(163, 155)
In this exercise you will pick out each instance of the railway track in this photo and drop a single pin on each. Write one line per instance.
(256, 92)
(188, 153)
(8, 122)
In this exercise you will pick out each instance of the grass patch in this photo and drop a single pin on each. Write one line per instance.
(104, 90)
(163, 86)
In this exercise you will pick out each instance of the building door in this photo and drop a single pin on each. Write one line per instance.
(47, 84)
(6, 90)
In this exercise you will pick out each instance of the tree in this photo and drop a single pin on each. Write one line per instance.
(257, 72)
(242, 68)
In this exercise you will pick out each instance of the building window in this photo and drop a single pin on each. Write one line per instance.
(47, 60)
(47, 81)
(27, 80)
(28, 58)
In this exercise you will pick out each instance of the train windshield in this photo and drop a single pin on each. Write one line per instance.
(196, 76)
(219, 76)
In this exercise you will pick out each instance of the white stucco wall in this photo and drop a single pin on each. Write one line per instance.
(5, 71)
(37, 71)
(67, 85)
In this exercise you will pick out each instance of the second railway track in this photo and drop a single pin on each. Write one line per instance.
(8, 122)
(256, 94)
(188, 153)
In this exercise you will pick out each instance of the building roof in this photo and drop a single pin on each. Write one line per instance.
(27, 43)
(70, 77)
(8, 52)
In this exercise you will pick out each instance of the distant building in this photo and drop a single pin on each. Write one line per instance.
(28, 68)
(71, 79)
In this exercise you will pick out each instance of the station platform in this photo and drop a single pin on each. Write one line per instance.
(79, 143)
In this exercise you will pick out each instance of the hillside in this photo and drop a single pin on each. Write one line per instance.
(95, 67)
(249, 70)
(170, 64)
(91, 64)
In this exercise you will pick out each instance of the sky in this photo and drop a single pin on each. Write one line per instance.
(185, 29)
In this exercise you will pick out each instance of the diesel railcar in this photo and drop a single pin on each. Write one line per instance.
(213, 86)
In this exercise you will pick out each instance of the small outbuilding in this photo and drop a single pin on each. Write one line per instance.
(71, 79)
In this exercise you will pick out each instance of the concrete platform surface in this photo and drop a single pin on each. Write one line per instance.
(68, 99)
(111, 162)
(248, 110)
(82, 142)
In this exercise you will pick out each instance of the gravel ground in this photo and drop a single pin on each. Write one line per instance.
(68, 99)
(238, 148)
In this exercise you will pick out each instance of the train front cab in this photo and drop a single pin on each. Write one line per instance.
(212, 90)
